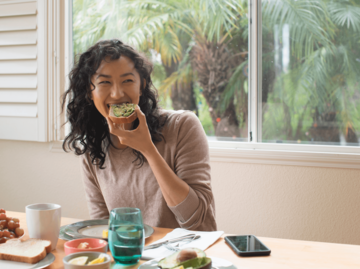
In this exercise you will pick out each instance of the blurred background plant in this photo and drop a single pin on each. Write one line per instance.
(310, 69)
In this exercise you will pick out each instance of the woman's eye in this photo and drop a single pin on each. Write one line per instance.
(104, 82)
(128, 80)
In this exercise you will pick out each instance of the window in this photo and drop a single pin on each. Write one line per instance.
(307, 69)
(266, 89)
(32, 61)
(310, 72)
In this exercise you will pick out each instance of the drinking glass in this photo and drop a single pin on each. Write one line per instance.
(126, 235)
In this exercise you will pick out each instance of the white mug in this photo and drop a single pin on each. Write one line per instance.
(43, 222)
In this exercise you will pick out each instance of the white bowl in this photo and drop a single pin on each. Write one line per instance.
(91, 256)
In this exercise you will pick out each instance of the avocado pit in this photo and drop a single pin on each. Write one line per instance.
(186, 254)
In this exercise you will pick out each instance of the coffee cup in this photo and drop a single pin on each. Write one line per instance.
(43, 222)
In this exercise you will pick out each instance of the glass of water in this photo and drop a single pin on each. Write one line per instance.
(126, 235)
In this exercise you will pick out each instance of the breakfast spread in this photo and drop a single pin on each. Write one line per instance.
(82, 260)
(122, 113)
(34, 250)
(9, 227)
(186, 258)
(28, 251)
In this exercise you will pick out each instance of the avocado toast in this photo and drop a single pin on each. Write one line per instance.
(122, 113)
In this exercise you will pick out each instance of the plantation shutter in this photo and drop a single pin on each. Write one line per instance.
(22, 71)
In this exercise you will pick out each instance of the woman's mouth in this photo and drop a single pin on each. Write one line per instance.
(108, 105)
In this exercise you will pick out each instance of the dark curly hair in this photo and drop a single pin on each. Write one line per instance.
(89, 129)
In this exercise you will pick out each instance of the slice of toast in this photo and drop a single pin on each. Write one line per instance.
(29, 251)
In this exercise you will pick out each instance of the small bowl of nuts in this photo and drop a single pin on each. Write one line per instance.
(9, 227)
(85, 244)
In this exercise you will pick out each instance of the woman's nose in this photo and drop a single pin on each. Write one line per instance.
(116, 92)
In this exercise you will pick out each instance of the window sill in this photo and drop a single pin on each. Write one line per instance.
(296, 155)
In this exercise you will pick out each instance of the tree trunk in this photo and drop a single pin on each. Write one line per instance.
(182, 94)
(325, 127)
(215, 65)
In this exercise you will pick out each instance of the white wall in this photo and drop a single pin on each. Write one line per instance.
(307, 203)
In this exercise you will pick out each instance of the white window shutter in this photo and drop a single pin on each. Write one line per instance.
(23, 101)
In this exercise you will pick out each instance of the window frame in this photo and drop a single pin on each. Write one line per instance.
(253, 152)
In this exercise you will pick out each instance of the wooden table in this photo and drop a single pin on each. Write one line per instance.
(284, 253)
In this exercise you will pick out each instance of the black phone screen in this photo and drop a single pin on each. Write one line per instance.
(247, 243)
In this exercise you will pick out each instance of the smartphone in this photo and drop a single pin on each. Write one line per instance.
(247, 245)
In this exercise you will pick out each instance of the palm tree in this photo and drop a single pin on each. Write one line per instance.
(202, 42)
(322, 80)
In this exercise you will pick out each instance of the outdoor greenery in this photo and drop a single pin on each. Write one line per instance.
(310, 68)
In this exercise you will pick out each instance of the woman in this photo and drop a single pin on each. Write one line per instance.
(158, 163)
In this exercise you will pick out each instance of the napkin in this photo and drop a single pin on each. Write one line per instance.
(206, 239)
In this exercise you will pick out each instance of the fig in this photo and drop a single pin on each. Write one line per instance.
(6, 233)
(5, 238)
(11, 225)
(3, 223)
(19, 232)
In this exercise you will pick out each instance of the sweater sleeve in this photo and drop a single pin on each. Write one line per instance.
(95, 200)
(192, 164)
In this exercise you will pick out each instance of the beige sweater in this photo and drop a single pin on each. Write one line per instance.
(123, 184)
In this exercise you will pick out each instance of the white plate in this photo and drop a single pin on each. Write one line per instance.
(49, 259)
(91, 228)
(216, 263)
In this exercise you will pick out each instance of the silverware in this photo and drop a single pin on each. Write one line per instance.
(178, 239)
(171, 247)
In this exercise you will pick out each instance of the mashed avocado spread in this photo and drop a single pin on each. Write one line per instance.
(123, 110)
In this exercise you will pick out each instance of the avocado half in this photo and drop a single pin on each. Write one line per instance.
(173, 260)
(197, 263)
(123, 113)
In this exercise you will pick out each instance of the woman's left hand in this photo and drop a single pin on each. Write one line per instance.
(138, 139)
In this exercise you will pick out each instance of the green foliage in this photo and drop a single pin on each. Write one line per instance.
(322, 77)
(204, 113)
(324, 71)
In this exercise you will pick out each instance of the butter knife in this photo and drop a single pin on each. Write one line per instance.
(173, 240)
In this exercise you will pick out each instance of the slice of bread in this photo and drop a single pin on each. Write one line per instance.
(29, 251)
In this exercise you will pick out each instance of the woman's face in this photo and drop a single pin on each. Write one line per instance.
(116, 82)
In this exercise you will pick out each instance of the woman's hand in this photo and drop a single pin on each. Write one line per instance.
(174, 189)
(138, 139)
